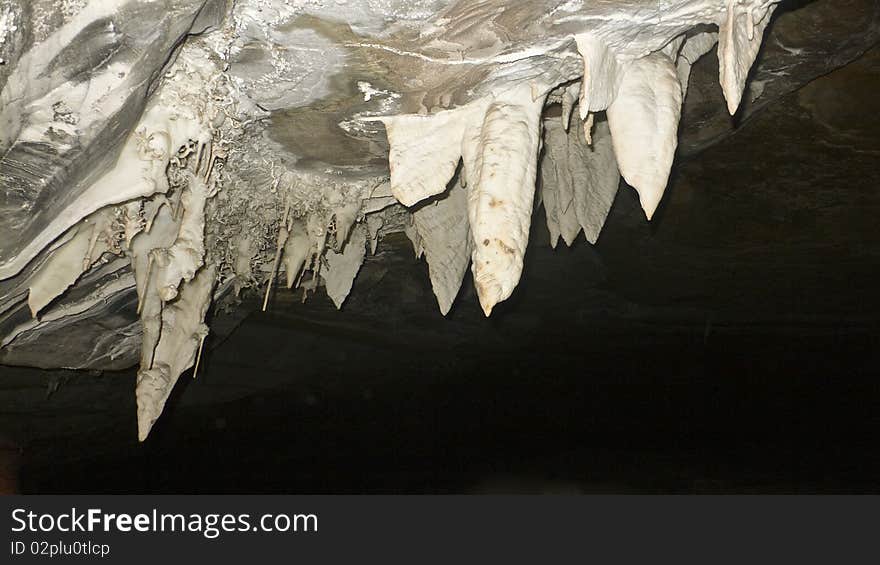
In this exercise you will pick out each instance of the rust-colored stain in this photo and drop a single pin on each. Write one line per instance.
(507, 249)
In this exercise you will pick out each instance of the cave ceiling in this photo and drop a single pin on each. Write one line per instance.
(159, 160)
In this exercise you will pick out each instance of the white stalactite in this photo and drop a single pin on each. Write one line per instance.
(644, 126)
(500, 158)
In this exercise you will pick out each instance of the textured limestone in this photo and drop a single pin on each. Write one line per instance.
(579, 181)
(443, 228)
(183, 332)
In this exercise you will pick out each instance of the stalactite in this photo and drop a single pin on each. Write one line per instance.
(443, 228)
(644, 126)
(501, 162)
